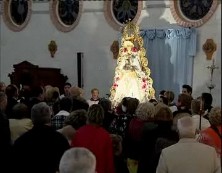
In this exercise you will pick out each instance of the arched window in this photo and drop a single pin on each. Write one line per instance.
(117, 12)
(193, 13)
(65, 14)
(16, 13)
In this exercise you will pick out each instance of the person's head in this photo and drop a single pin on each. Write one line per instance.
(95, 93)
(77, 160)
(169, 95)
(76, 119)
(186, 127)
(96, 115)
(195, 107)
(132, 105)
(52, 94)
(153, 101)
(123, 103)
(20, 111)
(106, 104)
(207, 100)
(76, 92)
(66, 104)
(128, 47)
(55, 94)
(41, 114)
(163, 100)
(3, 101)
(184, 101)
(11, 91)
(187, 89)
(215, 116)
(162, 93)
(38, 92)
(66, 88)
(2, 87)
(163, 113)
(145, 111)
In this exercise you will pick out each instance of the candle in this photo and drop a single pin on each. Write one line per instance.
(201, 105)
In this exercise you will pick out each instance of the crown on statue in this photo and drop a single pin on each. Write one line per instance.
(130, 31)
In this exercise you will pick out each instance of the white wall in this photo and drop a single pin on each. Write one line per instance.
(93, 36)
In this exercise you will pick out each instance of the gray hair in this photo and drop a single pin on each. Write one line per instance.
(215, 116)
(186, 127)
(145, 111)
(77, 160)
(41, 113)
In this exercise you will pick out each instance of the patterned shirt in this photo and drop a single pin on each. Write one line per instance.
(57, 122)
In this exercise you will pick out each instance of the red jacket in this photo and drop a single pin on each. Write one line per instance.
(99, 142)
(210, 137)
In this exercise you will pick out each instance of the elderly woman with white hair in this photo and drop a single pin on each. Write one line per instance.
(212, 135)
(78, 160)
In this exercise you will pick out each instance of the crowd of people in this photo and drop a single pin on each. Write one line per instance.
(44, 131)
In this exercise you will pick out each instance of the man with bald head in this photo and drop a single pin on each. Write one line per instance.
(188, 155)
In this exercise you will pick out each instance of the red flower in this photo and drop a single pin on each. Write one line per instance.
(144, 86)
(115, 85)
(144, 79)
(134, 49)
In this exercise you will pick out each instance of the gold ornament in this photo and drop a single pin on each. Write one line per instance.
(115, 49)
(52, 47)
(209, 48)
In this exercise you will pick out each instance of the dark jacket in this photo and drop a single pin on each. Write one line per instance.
(11, 102)
(156, 136)
(5, 140)
(40, 149)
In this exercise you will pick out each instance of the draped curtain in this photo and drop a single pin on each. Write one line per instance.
(170, 54)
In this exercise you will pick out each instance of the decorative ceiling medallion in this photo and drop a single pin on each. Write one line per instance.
(16, 13)
(117, 12)
(65, 14)
(193, 13)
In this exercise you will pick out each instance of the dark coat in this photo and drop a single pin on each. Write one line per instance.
(40, 149)
(5, 140)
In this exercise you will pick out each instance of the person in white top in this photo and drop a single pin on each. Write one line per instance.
(195, 110)
(95, 97)
(188, 155)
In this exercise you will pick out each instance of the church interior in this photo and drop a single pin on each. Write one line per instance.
(144, 63)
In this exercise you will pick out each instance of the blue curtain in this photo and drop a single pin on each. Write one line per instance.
(170, 54)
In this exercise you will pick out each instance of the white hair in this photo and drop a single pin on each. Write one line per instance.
(77, 160)
(186, 127)
(41, 113)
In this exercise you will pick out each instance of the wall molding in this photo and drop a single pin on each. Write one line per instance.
(88, 10)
